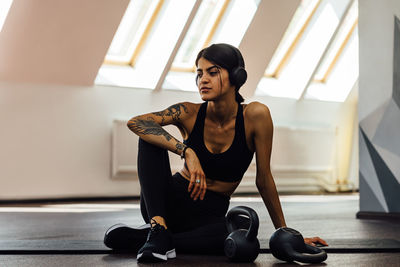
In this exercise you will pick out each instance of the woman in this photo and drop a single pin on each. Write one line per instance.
(186, 210)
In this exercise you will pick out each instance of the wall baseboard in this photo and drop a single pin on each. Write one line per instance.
(369, 215)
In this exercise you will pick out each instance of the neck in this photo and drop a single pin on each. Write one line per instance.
(222, 111)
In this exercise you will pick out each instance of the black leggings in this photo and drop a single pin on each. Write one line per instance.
(197, 226)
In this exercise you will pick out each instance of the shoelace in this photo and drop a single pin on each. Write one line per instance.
(155, 229)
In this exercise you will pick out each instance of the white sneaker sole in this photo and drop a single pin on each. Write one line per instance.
(119, 225)
(149, 256)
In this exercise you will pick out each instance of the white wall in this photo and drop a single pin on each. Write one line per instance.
(56, 140)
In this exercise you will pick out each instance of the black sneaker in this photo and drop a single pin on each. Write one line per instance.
(122, 237)
(158, 247)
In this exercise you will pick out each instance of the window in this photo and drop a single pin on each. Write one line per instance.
(345, 32)
(148, 43)
(132, 30)
(157, 42)
(338, 71)
(311, 55)
(150, 30)
(198, 34)
(216, 22)
(300, 21)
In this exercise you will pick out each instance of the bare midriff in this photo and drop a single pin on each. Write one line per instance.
(225, 188)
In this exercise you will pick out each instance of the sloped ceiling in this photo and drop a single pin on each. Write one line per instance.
(57, 41)
(65, 41)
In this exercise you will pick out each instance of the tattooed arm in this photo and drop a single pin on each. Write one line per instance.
(149, 126)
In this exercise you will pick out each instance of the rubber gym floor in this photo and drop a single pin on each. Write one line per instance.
(71, 233)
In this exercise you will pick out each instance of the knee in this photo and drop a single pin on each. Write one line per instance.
(146, 146)
(147, 150)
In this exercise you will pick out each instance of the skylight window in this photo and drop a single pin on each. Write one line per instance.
(310, 51)
(229, 22)
(338, 44)
(235, 22)
(157, 42)
(299, 22)
(151, 46)
(131, 31)
(157, 35)
(199, 31)
(338, 72)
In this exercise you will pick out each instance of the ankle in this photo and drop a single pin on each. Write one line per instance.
(158, 220)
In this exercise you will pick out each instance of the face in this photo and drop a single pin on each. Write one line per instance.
(213, 81)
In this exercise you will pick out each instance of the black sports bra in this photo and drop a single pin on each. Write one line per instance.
(228, 166)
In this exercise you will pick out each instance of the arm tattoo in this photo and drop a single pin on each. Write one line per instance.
(145, 127)
(173, 111)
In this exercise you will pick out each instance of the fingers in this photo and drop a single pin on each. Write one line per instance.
(320, 241)
(313, 241)
(203, 189)
(191, 183)
(197, 185)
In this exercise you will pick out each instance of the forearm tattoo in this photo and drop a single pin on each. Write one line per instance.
(173, 111)
(149, 126)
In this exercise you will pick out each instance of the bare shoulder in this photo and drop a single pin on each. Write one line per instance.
(260, 123)
(257, 112)
(190, 107)
(186, 110)
(181, 109)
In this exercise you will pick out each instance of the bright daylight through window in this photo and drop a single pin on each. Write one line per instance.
(318, 55)
(157, 41)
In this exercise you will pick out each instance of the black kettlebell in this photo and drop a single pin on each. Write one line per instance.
(287, 244)
(242, 245)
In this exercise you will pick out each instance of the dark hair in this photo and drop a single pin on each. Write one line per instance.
(229, 58)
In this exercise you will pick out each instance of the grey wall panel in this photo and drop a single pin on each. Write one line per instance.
(370, 123)
(368, 200)
(369, 174)
(388, 131)
(379, 106)
(391, 160)
(396, 62)
(389, 184)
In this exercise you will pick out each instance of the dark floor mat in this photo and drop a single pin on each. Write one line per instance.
(352, 245)
(97, 246)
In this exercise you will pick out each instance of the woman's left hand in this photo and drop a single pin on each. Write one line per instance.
(197, 184)
(314, 241)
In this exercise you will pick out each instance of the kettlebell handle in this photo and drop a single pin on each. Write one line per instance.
(311, 255)
(243, 210)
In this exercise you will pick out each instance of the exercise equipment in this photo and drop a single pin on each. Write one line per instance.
(287, 244)
(237, 75)
(242, 245)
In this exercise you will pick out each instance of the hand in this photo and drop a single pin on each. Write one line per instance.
(314, 241)
(197, 176)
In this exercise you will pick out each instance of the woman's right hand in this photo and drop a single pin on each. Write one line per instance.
(197, 185)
